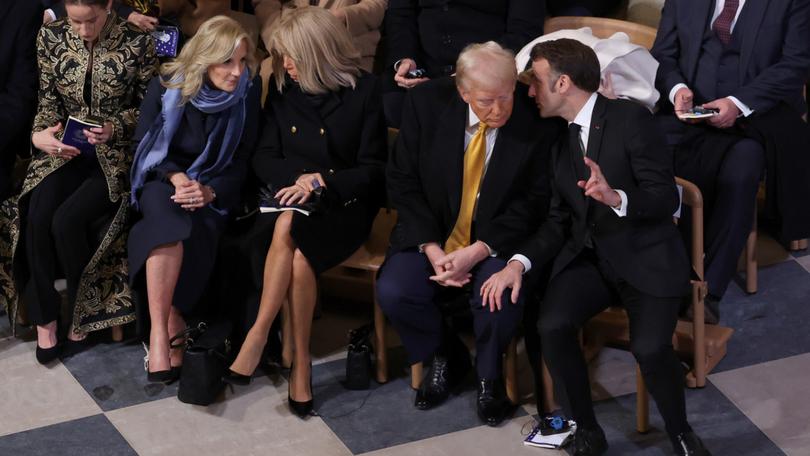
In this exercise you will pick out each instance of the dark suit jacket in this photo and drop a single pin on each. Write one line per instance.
(192, 135)
(644, 248)
(433, 32)
(424, 174)
(345, 141)
(19, 24)
(775, 56)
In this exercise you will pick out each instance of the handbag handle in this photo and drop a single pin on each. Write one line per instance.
(188, 335)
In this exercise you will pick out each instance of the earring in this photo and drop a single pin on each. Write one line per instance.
(109, 12)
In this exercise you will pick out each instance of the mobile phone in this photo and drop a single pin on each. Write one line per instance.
(553, 424)
(415, 74)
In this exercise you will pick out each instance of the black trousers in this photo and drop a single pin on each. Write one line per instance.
(586, 287)
(409, 299)
(61, 210)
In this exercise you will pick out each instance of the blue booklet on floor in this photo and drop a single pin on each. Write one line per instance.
(74, 134)
(552, 439)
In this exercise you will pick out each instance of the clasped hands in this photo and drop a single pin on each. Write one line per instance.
(190, 194)
(45, 140)
(727, 110)
(301, 190)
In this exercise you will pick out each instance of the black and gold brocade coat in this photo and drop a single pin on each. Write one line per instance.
(123, 62)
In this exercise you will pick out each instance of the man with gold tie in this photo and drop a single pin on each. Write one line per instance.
(469, 181)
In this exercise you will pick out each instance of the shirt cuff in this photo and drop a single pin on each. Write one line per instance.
(675, 90)
(744, 109)
(492, 253)
(51, 13)
(527, 263)
(622, 210)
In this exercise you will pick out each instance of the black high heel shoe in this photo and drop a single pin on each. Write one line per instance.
(233, 378)
(46, 355)
(300, 409)
(164, 376)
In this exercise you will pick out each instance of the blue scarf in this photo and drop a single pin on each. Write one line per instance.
(154, 146)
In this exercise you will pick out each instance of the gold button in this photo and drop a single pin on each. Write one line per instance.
(322, 131)
(293, 129)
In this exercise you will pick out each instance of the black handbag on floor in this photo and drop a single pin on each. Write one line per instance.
(205, 361)
(358, 359)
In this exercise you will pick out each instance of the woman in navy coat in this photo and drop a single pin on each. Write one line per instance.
(324, 127)
(198, 125)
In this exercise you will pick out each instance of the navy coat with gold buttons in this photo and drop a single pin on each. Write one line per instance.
(341, 135)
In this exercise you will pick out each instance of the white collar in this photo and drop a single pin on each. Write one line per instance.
(583, 118)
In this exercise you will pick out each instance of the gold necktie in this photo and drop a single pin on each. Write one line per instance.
(474, 158)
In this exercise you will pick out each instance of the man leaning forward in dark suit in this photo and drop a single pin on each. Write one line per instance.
(609, 231)
(469, 182)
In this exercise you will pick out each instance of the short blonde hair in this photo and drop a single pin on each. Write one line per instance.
(485, 64)
(321, 47)
(214, 43)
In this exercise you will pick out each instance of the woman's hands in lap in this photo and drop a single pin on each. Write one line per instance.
(46, 141)
(190, 194)
(300, 192)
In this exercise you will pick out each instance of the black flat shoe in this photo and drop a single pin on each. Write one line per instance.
(232, 378)
(46, 355)
(300, 409)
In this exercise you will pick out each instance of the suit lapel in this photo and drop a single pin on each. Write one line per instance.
(748, 24)
(507, 156)
(598, 122)
(450, 139)
(701, 13)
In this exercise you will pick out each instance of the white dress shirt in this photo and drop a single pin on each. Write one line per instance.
(583, 119)
(718, 8)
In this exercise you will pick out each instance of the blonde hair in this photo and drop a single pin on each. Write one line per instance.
(486, 64)
(214, 43)
(321, 47)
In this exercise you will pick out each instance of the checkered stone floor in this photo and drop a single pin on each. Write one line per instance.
(97, 402)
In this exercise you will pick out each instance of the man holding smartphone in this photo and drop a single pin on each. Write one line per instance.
(748, 61)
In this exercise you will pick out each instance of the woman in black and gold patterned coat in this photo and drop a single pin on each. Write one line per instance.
(93, 65)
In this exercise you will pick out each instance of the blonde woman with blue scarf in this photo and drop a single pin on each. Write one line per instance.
(198, 125)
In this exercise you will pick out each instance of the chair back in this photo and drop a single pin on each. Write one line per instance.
(641, 35)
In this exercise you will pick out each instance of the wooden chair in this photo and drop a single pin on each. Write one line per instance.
(603, 28)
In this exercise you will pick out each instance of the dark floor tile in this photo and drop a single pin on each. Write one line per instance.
(724, 429)
(112, 373)
(384, 415)
(90, 436)
(770, 324)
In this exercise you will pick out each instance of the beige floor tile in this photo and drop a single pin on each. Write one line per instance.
(776, 397)
(253, 421)
(484, 441)
(33, 395)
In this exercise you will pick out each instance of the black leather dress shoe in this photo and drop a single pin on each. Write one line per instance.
(590, 442)
(493, 405)
(442, 376)
(689, 444)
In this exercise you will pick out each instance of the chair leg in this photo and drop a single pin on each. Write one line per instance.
(380, 349)
(416, 375)
(511, 374)
(642, 404)
(117, 333)
(751, 259)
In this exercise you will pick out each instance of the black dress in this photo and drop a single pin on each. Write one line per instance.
(341, 135)
(165, 222)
